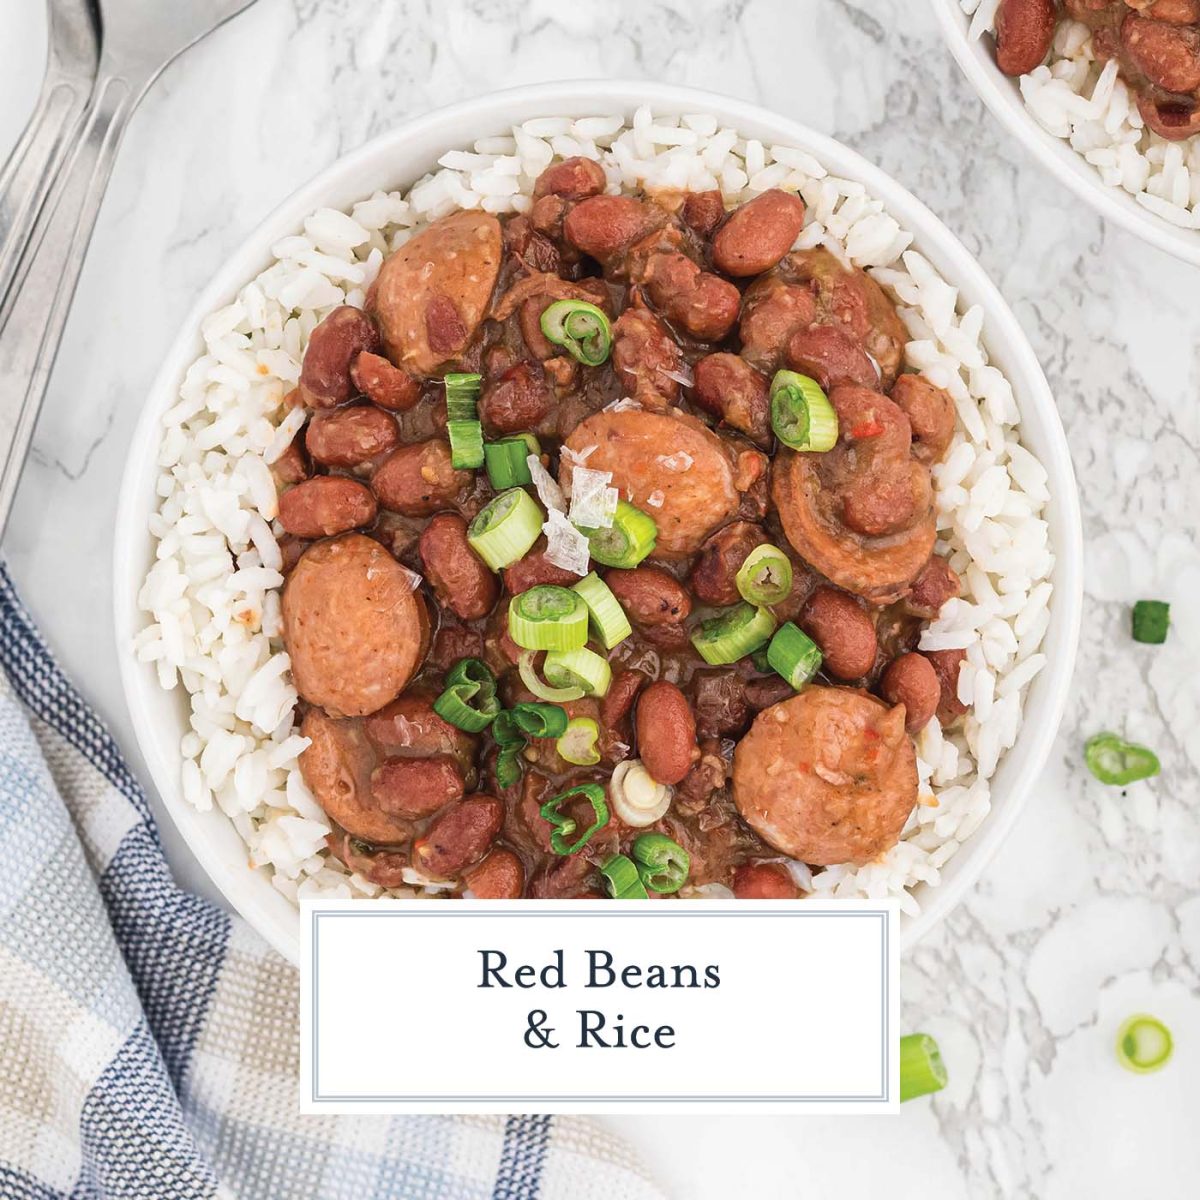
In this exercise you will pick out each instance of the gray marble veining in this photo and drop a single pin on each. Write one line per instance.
(1092, 909)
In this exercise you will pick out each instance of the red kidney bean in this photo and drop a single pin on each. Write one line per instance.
(1024, 31)
(702, 304)
(332, 346)
(517, 400)
(499, 877)
(948, 664)
(936, 584)
(647, 359)
(459, 836)
(704, 211)
(730, 388)
(666, 732)
(291, 466)
(572, 179)
(415, 787)
(620, 696)
(1168, 55)
(842, 630)
(460, 578)
(418, 480)
(1171, 120)
(911, 680)
(326, 505)
(758, 234)
(385, 385)
(533, 570)
(764, 881)
(931, 413)
(714, 577)
(772, 311)
(650, 595)
(605, 226)
(831, 356)
(349, 436)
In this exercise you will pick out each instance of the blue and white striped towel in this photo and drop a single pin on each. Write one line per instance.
(150, 1042)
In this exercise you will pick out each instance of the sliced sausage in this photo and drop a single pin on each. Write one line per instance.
(647, 359)
(931, 414)
(432, 293)
(666, 732)
(829, 776)
(459, 836)
(632, 444)
(332, 347)
(337, 767)
(911, 680)
(702, 304)
(349, 436)
(325, 506)
(649, 595)
(415, 787)
(758, 234)
(355, 628)
(714, 577)
(420, 479)
(842, 630)
(730, 388)
(383, 384)
(459, 576)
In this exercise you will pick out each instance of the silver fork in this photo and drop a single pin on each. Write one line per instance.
(139, 38)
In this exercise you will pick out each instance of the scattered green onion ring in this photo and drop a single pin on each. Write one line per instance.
(580, 328)
(1117, 762)
(662, 864)
(539, 720)
(565, 826)
(547, 617)
(462, 394)
(466, 444)
(469, 700)
(1144, 1044)
(506, 460)
(578, 668)
(505, 528)
(794, 655)
(766, 576)
(733, 634)
(801, 414)
(1151, 620)
(624, 883)
(607, 616)
(508, 764)
(541, 689)
(921, 1068)
(578, 745)
(631, 537)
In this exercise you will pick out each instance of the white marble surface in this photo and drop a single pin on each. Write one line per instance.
(1092, 909)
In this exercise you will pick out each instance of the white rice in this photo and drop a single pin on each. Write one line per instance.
(1085, 103)
(213, 593)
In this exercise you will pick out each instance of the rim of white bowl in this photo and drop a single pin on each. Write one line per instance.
(1002, 96)
(159, 718)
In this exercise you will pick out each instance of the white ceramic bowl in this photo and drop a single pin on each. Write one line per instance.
(1003, 96)
(396, 160)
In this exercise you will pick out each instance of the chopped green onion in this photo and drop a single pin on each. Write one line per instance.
(639, 799)
(624, 883)
(539, 720)
(548, 618)
(631, 537)
(578, 668)
(662, 864)
(462, 393)
(733, 634)
(1115, 761)
(505, 528)
(506, 731)
(505, 459)
(541, 689)
(508, 764)
(766, 576)
(580, 328)
(761, 660)
(608, 618)
(1151, 619)
(1144, 1044)
(469, 701)
(578, 744)
(801, 414)
(794, 655)
(466, 444)
(565, 826)
(921, 1068)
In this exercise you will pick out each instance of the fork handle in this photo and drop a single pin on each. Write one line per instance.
(49, 136)
(31, 330)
